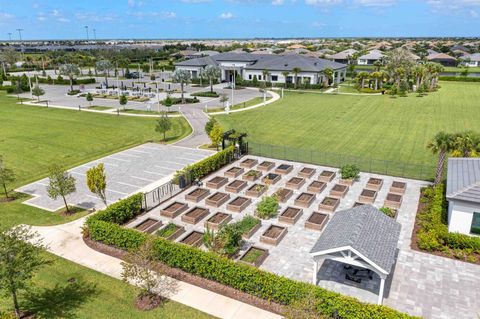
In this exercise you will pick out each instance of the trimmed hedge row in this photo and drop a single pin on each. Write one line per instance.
(208, 165)
(60, 80)
(256, 282)
(121, 211)
(459, 79)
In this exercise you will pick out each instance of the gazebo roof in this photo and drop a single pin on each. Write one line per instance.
(365, 231)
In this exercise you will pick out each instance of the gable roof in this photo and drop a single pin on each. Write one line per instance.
(365, 229)
(343, 55)
(372, 55)
(463, 179)
(440, 56)
(472, 57)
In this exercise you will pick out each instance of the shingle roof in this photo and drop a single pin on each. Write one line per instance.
(463, 179)
(472, 57)
(343, 55)
(440, 56)
(372, 55)
(365, 229)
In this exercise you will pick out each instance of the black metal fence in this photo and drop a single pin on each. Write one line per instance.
(370, 165)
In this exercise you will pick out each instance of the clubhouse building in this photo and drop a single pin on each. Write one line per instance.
(280, 67)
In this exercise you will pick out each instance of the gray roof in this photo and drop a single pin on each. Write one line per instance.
(472, 57)
(463, 179)
(372, 55)
(198, 62)
(344, 54)
(365, 229)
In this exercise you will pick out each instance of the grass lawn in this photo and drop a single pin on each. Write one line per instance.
(377, 127)
(133, 111)
(252, 102)
(92, 295)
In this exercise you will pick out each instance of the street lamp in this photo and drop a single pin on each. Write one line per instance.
(86, 29)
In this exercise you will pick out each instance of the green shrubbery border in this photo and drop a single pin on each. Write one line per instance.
(459, 79)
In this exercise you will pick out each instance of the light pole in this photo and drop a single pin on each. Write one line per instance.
(10, 36)
(86, 29)
(95, 34)
(20, 37)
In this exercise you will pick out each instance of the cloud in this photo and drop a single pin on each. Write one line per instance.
(323, 2)
(278, 2)
(94, 17)
(318, 25)
(161, 15)
(135, 3)
(226, 15)
(375, 3)
(474, 14)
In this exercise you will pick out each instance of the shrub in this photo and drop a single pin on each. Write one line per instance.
(267, 207)
(388, 211)
(73, 92)
(459, 79)
(206, 94)
(121, 211)
(350, 171)
(246, 224)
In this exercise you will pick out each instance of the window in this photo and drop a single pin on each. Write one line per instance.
(260, 77)
(249, 76)
(274, 78)
(475, 229)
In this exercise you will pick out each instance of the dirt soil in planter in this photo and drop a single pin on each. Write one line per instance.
(304, 197)
(317, 218)
(146, 224)
(329, 201)
(374, 181)
(238, 201)
(217, 218)
(339, 188)
(394, 197)
(290, 212)
(149, 302)
(173, 207)
(368, 193)
(398, 184)
(192, 238)
(196, 212)
(273, 232)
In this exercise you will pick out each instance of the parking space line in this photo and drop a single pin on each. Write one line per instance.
(127, 184)
(81, 174)
(108, 201)
(186, 158)
(164, 167)
(154, 173)
(143, 179)
(119, 159)
(43, 184)
(143, 152)
(176, 163)
(114, 191)
(129, 155)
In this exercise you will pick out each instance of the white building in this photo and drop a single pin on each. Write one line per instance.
(471, 60)
(463, 195)
(370, 58)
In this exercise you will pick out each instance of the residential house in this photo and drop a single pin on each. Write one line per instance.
(443, 59)
(370, 58)
(344, 56)
(472, 60)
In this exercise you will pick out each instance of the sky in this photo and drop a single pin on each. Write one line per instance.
(187, 19)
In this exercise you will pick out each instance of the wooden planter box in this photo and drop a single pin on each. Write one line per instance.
(316, 187)
(248, 163)
(233, 172)
(358, 204)
(284, 169)
(197, 195)
(283, 194)
(195, 239)
(290, 215)
(217, 220)
(217, 199)
(251, 175)
(304, 200)
(368, 196)
(398, 187)
(295, 183)
(217, 182)
(329, 204)
(256, 190)
(306, 172)
(149, 225)
(265, 166)
(316, 221)
(236, 186)
(194, 215)
(326, 176)
(249, 234)
(271, 178)
(393, 201)
(238, 204)
(254, 256)
(173, 210)
(346, 182)
(375, 183)
(273, 235)
(179, 230)
(339, 190)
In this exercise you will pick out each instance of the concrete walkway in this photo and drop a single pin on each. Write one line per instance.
(66, 241)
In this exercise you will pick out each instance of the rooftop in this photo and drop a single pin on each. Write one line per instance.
(463, 179)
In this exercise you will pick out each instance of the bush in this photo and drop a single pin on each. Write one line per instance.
(246, 224)
(177, 100)
(350, 171)
(73, 92)
(206, 94)
(459, 79)
(121, 211)
(388, 211)
(267, 207)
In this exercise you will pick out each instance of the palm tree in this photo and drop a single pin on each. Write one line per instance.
(104, 66)
(296, 71)
(183, 77)
(419, 73)
(70, 70)
(441, 144)
(377, 64)
(285, 75)
(266, 75)
(211, 72)
(361, 77)
(376, 77)
(465, 144)
(328, 72)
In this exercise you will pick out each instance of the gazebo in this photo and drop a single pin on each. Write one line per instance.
(361, 237)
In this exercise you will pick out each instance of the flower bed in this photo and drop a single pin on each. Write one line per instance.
(238, 204)
(339, 190)
(248, 163)
(251, 175)
(217, 199)
(304, 200)
(197, 195)
(284, 169)
(329, 204)
(217, 220)
(398, 187)
(290, 215)
(194, 239)
(367, 196)
(374, 183)
(273, 235)
(194, 215)
(256, 190)
(149, 225)
(235, 186)
(295, 183)
(316, 187)
(266, 166)
(233, 172)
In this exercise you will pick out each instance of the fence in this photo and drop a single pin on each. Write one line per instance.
(160, 194)
(369, 165)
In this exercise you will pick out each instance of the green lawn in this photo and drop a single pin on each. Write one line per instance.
(377, 127)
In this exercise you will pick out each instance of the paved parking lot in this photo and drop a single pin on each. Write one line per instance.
(127, 172)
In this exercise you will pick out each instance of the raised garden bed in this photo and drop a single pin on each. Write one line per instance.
(290, 215)
(217, 199)
(217, 220)
(273, 235)
(256, 190)
(248, 233)
(195, 239)
(252, 175)
(236, 186)
(398, 187)
(238, 204)
(217, 182)
(316, 187)
(174, 209)
(271, 178)
(329, 204)
(367, 196)
(304, 200)
(295, 183)
(339, 190)
(197, 195)
(234, 172)
(393, 201)
(248, 163)
(149, 225)
(283, 194)
(194, 215)
(306, 172)
(375, 183)
(254, 256)
(265, 166)
(316, 221)
(284, 169)
(326, 176)
(171, 231)
(346, 182)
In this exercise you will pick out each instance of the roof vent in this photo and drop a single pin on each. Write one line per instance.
(286, 64)
(315, 63)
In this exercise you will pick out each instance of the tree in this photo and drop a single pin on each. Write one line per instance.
(9, 56)
(60, 184)
(216, 135)
(361, 77)
(104, 66)
(6, 176)
(399, 64)
(209, 125)
(89, 98)
(266, 76)
(183, 77)
(223, 99)
(97, 182)
(164, 124)
(18, 89)
(296, 71)
(465, 144)
(211, 72)
(465, 71)
(441, 144)
(123, 100)
(378, 65)
(20, 258)
(38, 91)
(328, 72)
(285, 75)
(70, 70)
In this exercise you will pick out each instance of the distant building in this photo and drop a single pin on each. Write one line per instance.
(344, 56)
(472, 60)
(443, 59)
(371, 57)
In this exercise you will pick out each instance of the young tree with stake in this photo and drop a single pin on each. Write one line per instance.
(6, 176)
(163, 125)
(216, 135)
(61, 184)
(97, 182)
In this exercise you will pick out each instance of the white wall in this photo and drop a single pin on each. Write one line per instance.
(460, 216)
(281, 79)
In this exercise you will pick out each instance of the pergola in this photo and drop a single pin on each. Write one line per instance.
(361, 237)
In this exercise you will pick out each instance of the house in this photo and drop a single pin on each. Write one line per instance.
(344, 56)
(443, 59)
(471, 59)
(370, 58)
(463, 195)
(200, 54)
(250, 66)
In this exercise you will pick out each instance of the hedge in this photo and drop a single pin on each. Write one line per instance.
(206, 94)
(59, 81)
(459, 79)
(103, 227)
